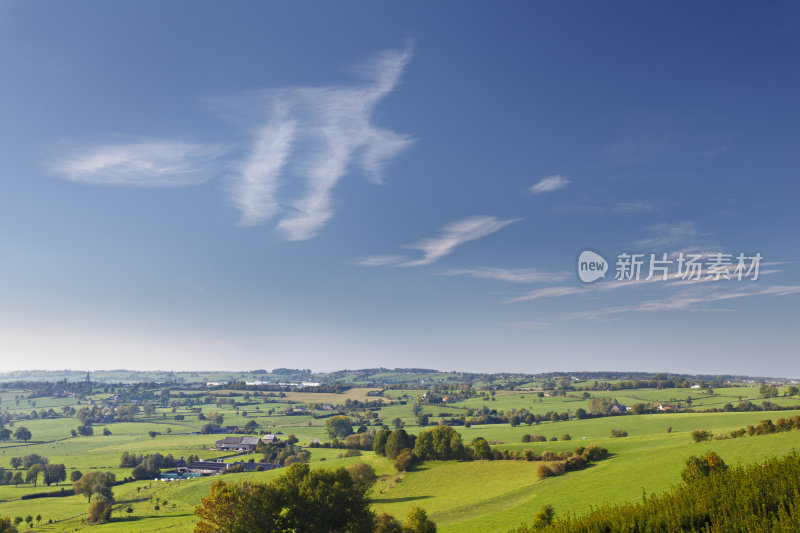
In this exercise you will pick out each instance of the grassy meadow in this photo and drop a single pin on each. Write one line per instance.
(461, 496)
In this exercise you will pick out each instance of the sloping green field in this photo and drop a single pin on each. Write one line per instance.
(480, 496)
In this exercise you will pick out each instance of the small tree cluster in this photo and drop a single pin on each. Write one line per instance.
(575, 461)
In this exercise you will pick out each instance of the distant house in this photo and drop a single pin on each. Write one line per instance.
(239, 444)
(667, 407)
(269, 438)
(211, 468)
(618, 409)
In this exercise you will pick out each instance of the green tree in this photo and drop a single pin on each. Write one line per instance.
(99, 511)
(32, 476)
(768, 391)
(95, 483)
(75, 475)
(481, 448)
(440, 443)
(601, 406)
(397, 422)
(398, 441)
(417, 521)
(386, 523)
(54, 474)
(6, 526)
(339, 426)
(149, 467)
(701, 435)
(699, 467)
(363, 475)
(379, 442)
(5, 434)
(404, 461)
(34, 459)
(300, 499)
(544, 517)
(22, 434)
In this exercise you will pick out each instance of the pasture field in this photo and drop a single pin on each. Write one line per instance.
(477, 496)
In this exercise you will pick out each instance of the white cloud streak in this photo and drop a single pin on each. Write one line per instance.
(671, 234)
(259, 178)
(320, 132)
(456, 234)
(620, 208)
(550, 184)
(379, 260)
(686, 299)
(516, 275)
(450, 236)
(149, 163)
(673, 280)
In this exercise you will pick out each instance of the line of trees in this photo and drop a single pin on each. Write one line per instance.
(34, 466)
(765, 427)
(21, 433)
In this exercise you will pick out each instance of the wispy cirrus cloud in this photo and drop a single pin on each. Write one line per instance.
(316, 134)
(513, 275)
(550, 184)
(379, 260)
(450, 236)
(313, 135)
(254, 193)
(618, 208)
(673, 280)
(686, 299)
(146, 163)
(672, 234)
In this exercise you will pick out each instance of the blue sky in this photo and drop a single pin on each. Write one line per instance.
(195, 185)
